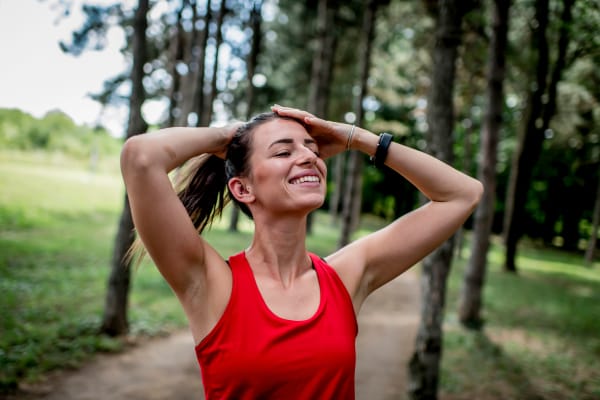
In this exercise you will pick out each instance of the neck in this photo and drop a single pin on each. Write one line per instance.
(278, 249)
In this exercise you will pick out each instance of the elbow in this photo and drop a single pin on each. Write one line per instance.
(134, 156)
(474, 193)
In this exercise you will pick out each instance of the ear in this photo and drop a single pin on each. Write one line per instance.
(240, 190)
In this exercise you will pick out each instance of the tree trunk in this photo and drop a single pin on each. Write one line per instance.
(322, 66)
(189, 56)
(175, 56)
(208, 109)
(114, 321)
(572, 214)
(424, 364)
(589, 253)
(255, 25)
(198, 103)
(459, 236)
(337, 169)
(252, 62)
(542, 107)
(470, 302)
(467, 167)
(353, 188)
(529, 143)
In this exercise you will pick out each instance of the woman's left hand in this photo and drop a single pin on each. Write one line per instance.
(332, 137)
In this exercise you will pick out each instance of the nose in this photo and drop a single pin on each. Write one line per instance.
(307, 156)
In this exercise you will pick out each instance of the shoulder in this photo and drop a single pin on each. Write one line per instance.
(349, 264)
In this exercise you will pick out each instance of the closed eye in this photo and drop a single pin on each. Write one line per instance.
(314, 148)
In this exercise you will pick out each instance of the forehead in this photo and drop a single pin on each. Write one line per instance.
(278, 129)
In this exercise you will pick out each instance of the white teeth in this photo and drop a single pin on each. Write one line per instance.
(308, 178)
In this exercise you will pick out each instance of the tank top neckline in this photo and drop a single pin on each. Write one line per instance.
(265, 306)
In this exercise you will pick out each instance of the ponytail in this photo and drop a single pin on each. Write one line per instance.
(202, 190)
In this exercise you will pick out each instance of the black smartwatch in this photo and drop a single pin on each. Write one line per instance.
(385, 139)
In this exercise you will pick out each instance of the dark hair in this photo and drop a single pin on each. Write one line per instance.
(201, 183)
(204, 192)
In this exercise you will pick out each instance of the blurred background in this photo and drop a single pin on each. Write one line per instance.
(507, 91)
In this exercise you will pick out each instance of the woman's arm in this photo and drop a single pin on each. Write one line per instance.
(385, 254)
(375, 259)
(160, 218)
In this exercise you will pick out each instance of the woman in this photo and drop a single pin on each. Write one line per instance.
(276, 321)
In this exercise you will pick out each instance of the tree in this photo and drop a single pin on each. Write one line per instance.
(470, 302)
(322, 65)
(114, 320)
(251, 63)
(424, 364)
(540, 110)
(353, 188)
(199, 60)
(212, 95)
(175, 57)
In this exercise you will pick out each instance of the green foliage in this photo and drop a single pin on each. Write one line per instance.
(55, 132)
(541, 336)
(92, 35)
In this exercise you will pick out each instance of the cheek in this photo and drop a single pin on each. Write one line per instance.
(265, 173)
(322, 167)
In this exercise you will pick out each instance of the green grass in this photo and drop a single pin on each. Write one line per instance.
(542, 334)
(55, 226)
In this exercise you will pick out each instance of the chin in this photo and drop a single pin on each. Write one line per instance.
(316, 204)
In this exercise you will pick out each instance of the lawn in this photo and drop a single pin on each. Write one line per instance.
(542, 336)
(57, 221)
(57, 225)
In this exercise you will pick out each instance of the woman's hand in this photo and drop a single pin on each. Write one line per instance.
(332, 137)
(227, 132)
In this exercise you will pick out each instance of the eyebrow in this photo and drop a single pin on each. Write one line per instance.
(290, 141)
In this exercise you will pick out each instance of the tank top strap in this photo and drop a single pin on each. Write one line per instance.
(235, 262)
(335, 290)
(243, 279)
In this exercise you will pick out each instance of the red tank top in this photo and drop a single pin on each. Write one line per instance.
(251, 353)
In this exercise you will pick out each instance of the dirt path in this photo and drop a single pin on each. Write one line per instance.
(388, 325)
(166, 368)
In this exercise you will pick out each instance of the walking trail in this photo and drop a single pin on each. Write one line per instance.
(166, 368)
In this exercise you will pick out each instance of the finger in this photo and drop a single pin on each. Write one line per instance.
(290, 112)
(315, 122)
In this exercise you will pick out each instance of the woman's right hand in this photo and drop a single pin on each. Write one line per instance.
(228, 132)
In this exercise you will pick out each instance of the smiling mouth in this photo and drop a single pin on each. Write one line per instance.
(308, 178)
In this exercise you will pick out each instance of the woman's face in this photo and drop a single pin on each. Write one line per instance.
(286, 173)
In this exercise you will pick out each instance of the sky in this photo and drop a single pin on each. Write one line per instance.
(37, 77)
